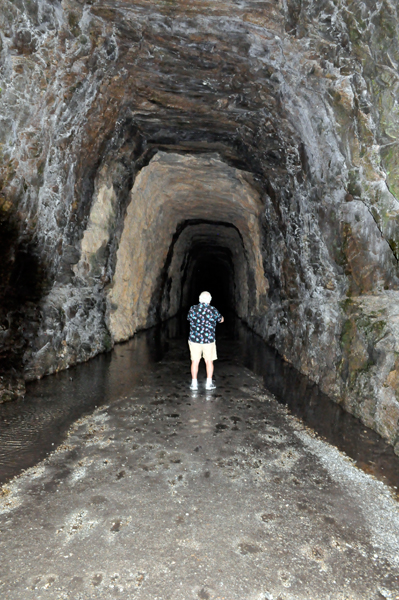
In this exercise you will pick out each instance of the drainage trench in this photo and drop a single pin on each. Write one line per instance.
(33, 427)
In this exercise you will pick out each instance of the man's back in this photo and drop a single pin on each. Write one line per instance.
(203, 319)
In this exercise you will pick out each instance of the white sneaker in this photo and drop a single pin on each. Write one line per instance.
(194, 385)
(210, 386)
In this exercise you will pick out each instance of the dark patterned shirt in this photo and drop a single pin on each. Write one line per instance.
(203, 319)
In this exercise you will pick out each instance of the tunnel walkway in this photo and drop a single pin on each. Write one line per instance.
(173, 495)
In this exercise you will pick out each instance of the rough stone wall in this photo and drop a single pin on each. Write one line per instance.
(369, 366)
(302, 94)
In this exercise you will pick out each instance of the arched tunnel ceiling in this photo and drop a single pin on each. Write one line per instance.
(170, 191)
(198, 75)
(262, 83)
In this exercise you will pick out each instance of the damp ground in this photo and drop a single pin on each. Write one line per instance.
(33, 427)
(161, 493)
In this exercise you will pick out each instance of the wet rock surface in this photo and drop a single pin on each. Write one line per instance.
(167, 493)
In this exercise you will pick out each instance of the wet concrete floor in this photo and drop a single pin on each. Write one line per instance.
(161, 493)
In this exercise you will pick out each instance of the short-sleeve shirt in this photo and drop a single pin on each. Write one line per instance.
(203, 319)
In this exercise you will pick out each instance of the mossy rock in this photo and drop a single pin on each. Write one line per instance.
(390, 159)
(347, 334)
(73, 21)
(107, 342)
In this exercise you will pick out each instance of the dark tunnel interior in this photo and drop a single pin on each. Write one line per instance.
(212, 270)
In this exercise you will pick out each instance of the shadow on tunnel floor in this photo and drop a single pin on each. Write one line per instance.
(32, 427)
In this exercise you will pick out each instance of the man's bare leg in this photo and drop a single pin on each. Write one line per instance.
(194, 368)
(194, 374)
(209, 372)
(209, 369)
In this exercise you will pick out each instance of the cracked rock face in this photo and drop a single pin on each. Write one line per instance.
(138, 140)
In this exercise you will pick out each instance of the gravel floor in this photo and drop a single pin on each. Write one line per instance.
(173, 495)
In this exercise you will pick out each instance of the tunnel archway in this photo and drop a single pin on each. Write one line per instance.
(297, 103)
(179, 204)
(203, 240)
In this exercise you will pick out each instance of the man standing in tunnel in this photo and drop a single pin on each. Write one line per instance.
(203, 320)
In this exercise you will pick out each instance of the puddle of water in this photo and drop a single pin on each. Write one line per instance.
(33, 427)
(306, 401)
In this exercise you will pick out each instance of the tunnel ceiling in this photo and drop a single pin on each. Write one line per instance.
(272, 125)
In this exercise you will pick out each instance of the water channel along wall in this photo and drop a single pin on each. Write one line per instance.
(149, 147)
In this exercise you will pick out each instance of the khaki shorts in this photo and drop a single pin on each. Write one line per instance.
(197, 351)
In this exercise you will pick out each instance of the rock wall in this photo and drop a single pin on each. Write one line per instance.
(294, 101)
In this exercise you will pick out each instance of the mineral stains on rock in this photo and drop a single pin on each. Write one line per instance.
(140, 142)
